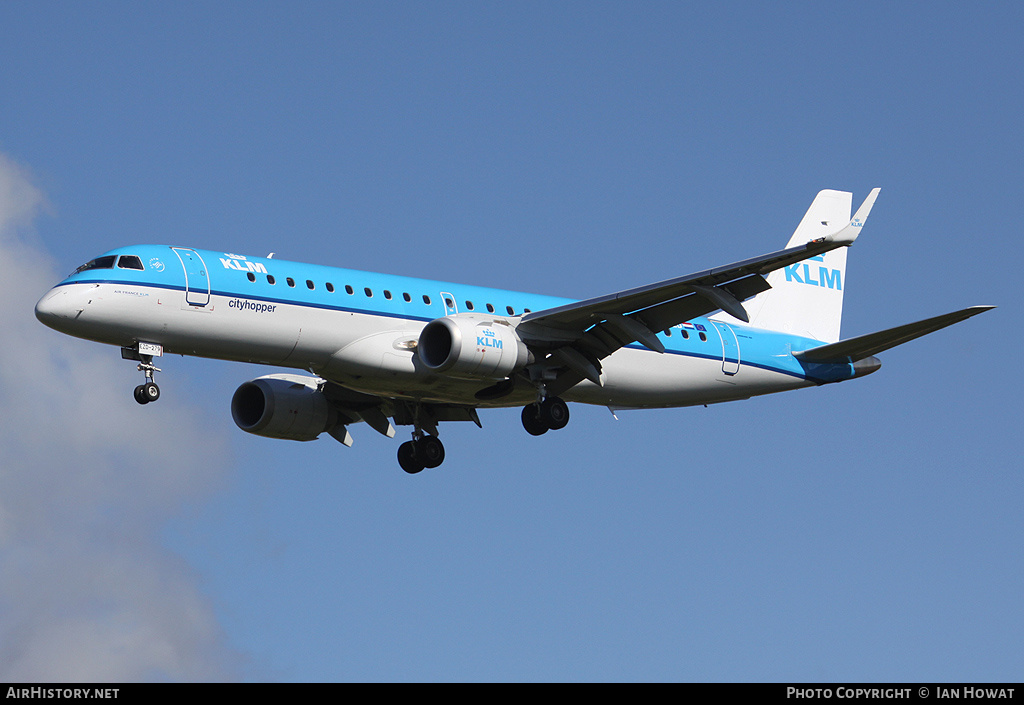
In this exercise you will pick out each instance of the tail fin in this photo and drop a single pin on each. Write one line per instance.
(807, 298)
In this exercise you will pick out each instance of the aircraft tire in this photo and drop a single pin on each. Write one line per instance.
(554, 413)
(140, 394)
(408, 459)
(430, 451)
(532, 422)
(150, 391)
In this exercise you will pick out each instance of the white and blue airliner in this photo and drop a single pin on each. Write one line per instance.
(389, 350)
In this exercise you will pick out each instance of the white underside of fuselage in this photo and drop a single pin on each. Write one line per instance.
(374, 354)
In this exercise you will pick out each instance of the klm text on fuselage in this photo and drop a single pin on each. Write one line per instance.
(243, 266)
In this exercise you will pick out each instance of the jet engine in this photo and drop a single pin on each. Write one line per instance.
(283, 406)
(471, 347)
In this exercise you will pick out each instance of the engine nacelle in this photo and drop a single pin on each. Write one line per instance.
(471, 347)
(283, 406)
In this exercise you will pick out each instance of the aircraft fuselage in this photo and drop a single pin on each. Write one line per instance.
(359, 330)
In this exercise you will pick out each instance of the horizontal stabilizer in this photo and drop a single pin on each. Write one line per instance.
(865, 345)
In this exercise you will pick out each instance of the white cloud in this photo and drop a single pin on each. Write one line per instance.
(87, 481)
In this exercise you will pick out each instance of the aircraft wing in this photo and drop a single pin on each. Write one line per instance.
(374, 411)
(581, 334)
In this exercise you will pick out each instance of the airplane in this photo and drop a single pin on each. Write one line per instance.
(389, 350)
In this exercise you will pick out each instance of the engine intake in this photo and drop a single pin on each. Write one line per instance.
(283, 406)
(471, 347)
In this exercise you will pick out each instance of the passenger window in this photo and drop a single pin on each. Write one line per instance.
(349, 290)
(330, 287)
(703, 337)
(668, 333)
(291, 282)
(449, 303)
(426, 299)
(368, 292)
(270, 279)
(686, 336)
(387, 294)
(490, 309)
(406, 297)
(129, 262)
(469, 305)
(250, 276)
(511, 311)
(309, 284)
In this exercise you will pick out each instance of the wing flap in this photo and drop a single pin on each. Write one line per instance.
(672, 313)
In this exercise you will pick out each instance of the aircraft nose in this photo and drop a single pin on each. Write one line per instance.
(53, 308)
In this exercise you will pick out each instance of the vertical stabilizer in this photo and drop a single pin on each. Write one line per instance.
(807, 298)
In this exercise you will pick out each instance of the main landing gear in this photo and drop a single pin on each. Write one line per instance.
(421, 452)
(549, 414)
(425, 450)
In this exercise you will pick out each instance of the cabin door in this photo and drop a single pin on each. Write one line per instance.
(197, 279)
(450, 307)
(730, 348)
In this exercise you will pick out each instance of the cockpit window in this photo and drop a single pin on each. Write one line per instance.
(129, 262)
(106, 262)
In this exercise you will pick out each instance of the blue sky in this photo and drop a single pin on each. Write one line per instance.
(868, 531)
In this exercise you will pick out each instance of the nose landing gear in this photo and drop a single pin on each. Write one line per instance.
(148, 391)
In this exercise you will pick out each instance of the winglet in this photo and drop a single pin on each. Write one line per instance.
(847, 235)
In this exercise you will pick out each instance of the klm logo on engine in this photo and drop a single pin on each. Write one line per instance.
(489, 339)
(803, 273)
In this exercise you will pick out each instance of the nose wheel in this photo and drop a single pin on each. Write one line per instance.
(148, 391)
(143, 353)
